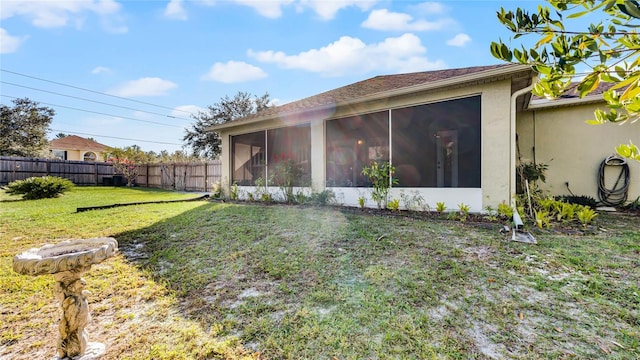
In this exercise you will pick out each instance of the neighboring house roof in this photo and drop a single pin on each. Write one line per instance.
(380, 87)
(570, 97)
(73, 142)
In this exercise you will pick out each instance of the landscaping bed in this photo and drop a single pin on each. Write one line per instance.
(208, 279)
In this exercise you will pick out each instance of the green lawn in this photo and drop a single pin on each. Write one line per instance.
(202, 280)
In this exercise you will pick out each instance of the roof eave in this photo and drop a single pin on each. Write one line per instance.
(487, 74)
(545, 103)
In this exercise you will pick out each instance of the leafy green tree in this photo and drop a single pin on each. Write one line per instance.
(177, 156)
(127, 161)
(23, 128)
(207, 144)
(609, 50)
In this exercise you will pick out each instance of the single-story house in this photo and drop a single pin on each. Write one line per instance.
(451, 135)
(72, 147)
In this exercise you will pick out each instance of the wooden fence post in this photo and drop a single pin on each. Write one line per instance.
(206, 178)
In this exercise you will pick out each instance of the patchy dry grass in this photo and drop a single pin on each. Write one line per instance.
(218, 280)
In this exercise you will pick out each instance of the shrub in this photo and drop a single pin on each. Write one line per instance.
(586, 215)
(287, 174)
(567, 212)
(39, 187)
(127, 161)
(543, 219)
(579, 200)
(394, 205)
(234, 191)
(531, 172)
(381, 178)
(464, 211)
(262, 190)
(414, 201)
(301, 198)
(505, 210)
(323, 198)
(217, 192)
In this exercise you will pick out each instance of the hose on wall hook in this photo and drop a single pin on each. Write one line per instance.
(617, 195)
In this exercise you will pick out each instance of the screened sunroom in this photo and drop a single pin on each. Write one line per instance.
(449, 134)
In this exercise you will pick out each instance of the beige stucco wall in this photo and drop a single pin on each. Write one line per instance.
(495, 107)
(78, 155)
(496, 144)
(318, 154)
(573, 149)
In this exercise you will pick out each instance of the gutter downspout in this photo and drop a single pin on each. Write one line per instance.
(512, 136)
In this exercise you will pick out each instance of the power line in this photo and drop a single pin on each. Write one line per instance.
(113, 137)
(93, 101)
(93, 91)
(99, 113)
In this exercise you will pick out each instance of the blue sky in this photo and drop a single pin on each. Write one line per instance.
(176, 57)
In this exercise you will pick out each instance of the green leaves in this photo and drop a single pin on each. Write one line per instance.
(550, 89)
(501, 51)
(589, 84)
(545, 40)
(603, 117)
(630, 8)
(608, 49)
(45, 187)
(381, 176)
(23, 128)
(630, 151)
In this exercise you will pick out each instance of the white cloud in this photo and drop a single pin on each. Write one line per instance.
(234, 72)
(179, 111)
(53, 14)
(175, 10)
(385, 20)
(271, 8)
(459, 40)
(278, 102)
(142, 115)
(327, 9)
(8, 43)
(149, 86)
(350, 55)
(101, 70)
(429, 8)
(101, 121)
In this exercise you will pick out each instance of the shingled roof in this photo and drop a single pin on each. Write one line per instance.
(570, 97)
(73, 142)
(376, 85)
(366, 89)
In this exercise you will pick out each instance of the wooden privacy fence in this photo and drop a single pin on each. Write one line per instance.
(79, 172)
(181, 176)
(198, 176)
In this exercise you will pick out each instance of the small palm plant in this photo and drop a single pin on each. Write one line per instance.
(586, 215)
(463, 209)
